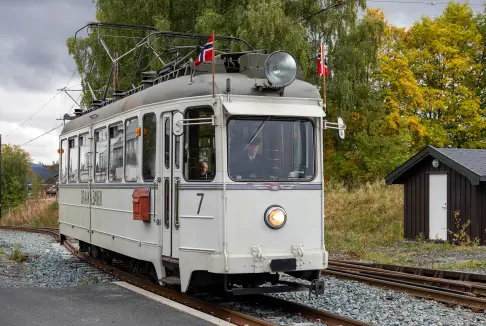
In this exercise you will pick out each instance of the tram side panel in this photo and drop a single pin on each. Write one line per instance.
(74, 220)
(114, 228)
(201, 230)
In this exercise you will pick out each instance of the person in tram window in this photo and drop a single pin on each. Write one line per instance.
(204, 173)
(251, 164)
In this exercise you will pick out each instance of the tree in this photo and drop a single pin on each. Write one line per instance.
(481, 80)
(16, 169)
(369, 150)
(444, 55)
(397, 89)
(296, 26)
(37, 186)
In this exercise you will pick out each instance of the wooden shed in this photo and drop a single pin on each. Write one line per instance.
(439, 182)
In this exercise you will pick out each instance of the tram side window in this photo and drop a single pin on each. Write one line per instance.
(167, 135)
(199, 147)
(73, 161)
(116, 153)
(64, 161)
(131, 150)
(101, 155)
(149, 146)
(83, 158)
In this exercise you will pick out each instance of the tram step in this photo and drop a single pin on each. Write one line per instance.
(171, 280)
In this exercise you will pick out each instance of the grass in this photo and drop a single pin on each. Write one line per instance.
(367, 223)
(2, 251)
(17, 254)
(463, 264)
(40, 212)
(361, 218)
(91, 280)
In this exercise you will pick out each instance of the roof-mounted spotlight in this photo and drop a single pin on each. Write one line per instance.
(280, 69)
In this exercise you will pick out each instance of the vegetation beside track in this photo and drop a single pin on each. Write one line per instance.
(366, 223)
(362, 218)
(37, 212)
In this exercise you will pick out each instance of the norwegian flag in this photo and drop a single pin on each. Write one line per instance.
(322, 66)
(206, 52)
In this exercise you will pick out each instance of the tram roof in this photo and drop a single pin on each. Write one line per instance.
(182, 87)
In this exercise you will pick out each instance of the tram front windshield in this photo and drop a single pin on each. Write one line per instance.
(271, 149)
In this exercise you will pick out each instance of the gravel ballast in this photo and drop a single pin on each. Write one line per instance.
(47, 265)
(382, 307)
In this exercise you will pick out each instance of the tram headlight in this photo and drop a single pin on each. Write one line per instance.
(275, 217)
(280, 68)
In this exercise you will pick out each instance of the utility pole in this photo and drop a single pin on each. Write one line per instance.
(0, 176)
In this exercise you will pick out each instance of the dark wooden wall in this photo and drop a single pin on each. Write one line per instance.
(481, 211)
(469, 200)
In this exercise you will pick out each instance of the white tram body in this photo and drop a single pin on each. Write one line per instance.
(235, 227)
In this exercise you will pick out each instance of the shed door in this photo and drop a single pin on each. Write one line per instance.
(438, 206)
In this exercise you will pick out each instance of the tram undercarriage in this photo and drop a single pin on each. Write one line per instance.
(203, 281)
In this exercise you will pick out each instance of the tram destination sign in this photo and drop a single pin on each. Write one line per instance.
(95, 197)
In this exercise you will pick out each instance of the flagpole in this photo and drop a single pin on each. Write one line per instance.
(214, 49)
(323, 63)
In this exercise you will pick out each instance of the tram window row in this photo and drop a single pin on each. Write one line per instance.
(117, 150)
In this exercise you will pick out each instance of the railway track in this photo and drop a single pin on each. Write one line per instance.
(449, 291)
(232, 316)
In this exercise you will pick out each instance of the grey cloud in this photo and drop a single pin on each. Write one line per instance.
(33, 37)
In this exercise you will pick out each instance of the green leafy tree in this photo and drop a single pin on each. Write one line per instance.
(296, 26)
(16, 169)
(369, 150)
(37, 186)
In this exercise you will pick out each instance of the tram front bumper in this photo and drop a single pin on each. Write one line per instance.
(267, 263)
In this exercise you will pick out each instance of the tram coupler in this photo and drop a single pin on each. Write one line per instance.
(316, 287)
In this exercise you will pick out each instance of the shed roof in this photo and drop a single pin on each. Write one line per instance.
(469, 162)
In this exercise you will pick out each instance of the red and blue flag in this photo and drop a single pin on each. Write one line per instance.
(206, 52)
(322, 64)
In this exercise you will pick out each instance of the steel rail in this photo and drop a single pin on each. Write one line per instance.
(223, 313)
(427, 292)
(462, 286)
(430, 272)
(54, 232)
(316, 315)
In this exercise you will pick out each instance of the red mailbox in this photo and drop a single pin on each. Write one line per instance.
(141, 204)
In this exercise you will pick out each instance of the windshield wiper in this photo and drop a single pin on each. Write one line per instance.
(257, 131)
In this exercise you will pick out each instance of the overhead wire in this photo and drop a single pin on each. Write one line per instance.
(41, 135)
(52, 128)
(42, 107)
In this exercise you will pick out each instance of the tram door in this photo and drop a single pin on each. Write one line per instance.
(171, 176)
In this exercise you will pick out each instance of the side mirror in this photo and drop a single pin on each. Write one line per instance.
(341, 127)
(177, 123)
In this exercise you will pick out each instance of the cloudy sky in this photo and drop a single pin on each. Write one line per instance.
(34, 63)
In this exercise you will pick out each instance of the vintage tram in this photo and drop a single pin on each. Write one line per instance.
(203, 176)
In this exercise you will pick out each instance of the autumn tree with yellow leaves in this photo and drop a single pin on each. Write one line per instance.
(431, 75)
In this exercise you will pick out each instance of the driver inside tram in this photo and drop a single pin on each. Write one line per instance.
(251, 164)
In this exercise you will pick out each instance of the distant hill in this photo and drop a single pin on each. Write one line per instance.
(48, 173)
